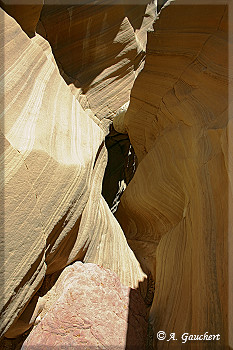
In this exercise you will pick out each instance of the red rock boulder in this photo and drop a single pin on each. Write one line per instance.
(88, 308)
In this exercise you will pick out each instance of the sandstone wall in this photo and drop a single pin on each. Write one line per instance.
(26, 13)
(175, 210)
(53, 165)
(61, 88)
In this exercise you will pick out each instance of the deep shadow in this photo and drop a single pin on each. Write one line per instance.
(160, 4)
(139, 333)
(121, 166)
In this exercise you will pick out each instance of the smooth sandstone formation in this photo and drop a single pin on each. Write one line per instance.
(175, 210)
(88, 308)
(53, 163)
(106, 43)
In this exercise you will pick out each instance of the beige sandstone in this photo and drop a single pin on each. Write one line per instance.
(175, 210)
(54, 160)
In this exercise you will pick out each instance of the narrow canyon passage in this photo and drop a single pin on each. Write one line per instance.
(120, 169)
(117, 176)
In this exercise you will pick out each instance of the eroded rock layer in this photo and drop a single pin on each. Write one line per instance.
(53, 162)
(175, 210)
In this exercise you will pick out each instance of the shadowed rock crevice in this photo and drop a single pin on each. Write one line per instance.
(120, 169)
(160, 4)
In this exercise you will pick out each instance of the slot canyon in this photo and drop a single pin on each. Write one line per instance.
(116, 183)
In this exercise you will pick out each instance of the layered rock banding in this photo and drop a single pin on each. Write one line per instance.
(63, 88)
(175, 210)
(54, 164)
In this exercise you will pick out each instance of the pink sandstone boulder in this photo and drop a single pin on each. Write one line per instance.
(88, 308)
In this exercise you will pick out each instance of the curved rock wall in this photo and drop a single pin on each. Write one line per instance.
(54, 161)
(175, 210)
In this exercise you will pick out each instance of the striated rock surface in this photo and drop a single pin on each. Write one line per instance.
(61, 90)
(106, 43)
(54, 160)
(88, 308)
(175, 210)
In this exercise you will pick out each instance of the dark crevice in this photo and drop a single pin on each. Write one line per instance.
(98, 153)
(121, 166)
(160, 4)
(120, 169)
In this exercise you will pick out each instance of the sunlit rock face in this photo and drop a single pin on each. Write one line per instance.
(53, 164)
(175, 210)
(62, 89)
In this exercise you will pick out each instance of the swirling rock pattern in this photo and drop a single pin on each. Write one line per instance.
(54, 160)
(175, 210)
